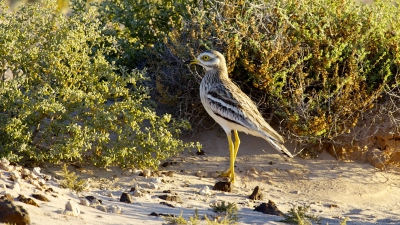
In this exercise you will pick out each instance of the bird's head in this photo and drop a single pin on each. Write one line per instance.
(210, 60)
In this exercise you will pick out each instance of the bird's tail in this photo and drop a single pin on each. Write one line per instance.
(279, 146)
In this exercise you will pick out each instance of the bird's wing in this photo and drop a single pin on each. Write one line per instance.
(237, 107)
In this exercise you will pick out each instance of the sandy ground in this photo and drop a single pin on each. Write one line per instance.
(334, 190)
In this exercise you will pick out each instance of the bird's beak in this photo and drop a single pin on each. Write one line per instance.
(191, 62)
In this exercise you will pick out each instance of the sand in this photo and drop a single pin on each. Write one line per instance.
(333, 189)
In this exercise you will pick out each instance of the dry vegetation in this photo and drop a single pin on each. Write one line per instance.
(315, 68)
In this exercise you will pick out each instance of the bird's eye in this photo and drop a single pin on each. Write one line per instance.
(206, 58)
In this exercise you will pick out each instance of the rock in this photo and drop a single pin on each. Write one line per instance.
(15, 175)
(214, 174)
(200, 152)
(168, 173)
(146, 173)
(16, 187)
(152, 185)
(156, 180)
(101, 208)
(84, 202)
(13, 214)
(25, 172)
(167, 191)
(136, 172)
(205, 191)
(93, 199)
(161, 214)
(109, 194)
(223, 186)
(257, 194)
(138, 193)
(7, 197)
(114, 209)
(127, 173)
(40, 197)
(201, 174)
(36, 171)
(167, 204)
(269, 208)
(72, 208)
(172, 198)
(126, 197)
(26, 200)
(4, 188)
(5, 165)
(95, 202)
(169, 164)
(46, 177)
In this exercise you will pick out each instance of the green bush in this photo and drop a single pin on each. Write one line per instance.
(141, 24)
(66, 102)
(320, 65)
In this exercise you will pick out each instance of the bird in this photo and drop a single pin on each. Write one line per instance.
(231, 108)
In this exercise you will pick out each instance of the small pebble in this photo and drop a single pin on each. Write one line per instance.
(101, 208)
(205, 191)
(114, 209)
(72, 207)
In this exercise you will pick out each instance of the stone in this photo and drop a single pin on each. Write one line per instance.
(95, 202)
(93, 199)
(84, 202)
(201, 173)
(114, 209)
(136, 172)
(15, 175)
(161, 214)
(257, 194)
(13, 214)
(101, 208)
(7, 197)
(36, 171)
(153, 186)
(172, 198)
(5, 165)
(72, 208)
(200, 152)
(146, 173)
(26, 200)
(223, 186)
(127, 173)
(25, 172)
(138, 193)
(16, 187)
(167, 204)
(40, 197)
(126, 197)
(46, 177)
(156, 180)
(205, 191)
(269, 208)
(168, 173)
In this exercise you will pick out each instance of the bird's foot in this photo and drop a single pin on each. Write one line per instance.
(226, 173)
(229, 174)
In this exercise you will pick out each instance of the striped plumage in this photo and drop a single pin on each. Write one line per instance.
(231, 108)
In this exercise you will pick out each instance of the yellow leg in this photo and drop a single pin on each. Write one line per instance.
(237, 142)
(232, 158)
(233, 150)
